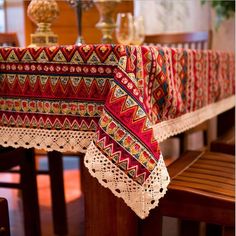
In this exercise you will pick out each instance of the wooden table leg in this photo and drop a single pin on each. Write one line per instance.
(188, 227)
(30, 195)
(57, 193)
(152, 225)
(105, 214)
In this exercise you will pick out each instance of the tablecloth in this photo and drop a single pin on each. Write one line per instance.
(113, 102)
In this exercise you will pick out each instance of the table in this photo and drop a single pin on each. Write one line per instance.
(115, 103)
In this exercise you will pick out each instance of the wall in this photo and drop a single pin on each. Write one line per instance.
(173, 16)
(65, 25)
(185, 16)
(224, 37)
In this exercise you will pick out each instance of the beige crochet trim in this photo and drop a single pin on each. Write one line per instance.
(140, 198)
(172, 127)
(49, 140)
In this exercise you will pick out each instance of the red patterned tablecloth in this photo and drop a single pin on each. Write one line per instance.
(113, 102)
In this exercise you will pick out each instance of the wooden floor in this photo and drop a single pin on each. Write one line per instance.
(73, 198)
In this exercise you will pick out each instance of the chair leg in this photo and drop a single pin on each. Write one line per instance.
(30, 194)
(188, 227)
(59, 212)
(4, 218)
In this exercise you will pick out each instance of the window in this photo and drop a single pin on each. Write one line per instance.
(2, 16)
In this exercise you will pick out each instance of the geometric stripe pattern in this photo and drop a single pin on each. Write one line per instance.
(118, 91)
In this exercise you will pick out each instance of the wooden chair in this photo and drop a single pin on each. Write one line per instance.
(24, 158)
(195, 40)
(4, 218)
(201, 189)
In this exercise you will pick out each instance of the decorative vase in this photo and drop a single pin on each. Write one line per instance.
(106, 23)
(43, 13)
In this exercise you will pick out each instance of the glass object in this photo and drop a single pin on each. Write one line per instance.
(106, 22)
(124, 29)
(138, 30)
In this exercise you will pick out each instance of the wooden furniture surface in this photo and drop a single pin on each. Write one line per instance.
(9, 39)
(24, 158)
(196, 40)
(225, 143)
(202, 189)
(4, 218)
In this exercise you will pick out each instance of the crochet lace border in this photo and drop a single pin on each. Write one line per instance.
(187, 121)
(49, 140)
(140, 198)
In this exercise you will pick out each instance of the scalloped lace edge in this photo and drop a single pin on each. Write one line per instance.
(49, 140)
(165, 129)
(140, 198)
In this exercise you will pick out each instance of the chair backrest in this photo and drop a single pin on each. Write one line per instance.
(193, 40)
(9, 39)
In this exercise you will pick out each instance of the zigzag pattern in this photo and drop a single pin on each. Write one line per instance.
(122, 159)
(46, 122)
(93, 54)
(140, 126)
(55, 86)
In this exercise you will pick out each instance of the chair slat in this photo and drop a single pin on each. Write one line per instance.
(220, 179)
(203, 38)
(202, 187)
(211, 172)
(210, 182)
(200, 192)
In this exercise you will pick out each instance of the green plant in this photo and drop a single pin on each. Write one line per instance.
(224, 9)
